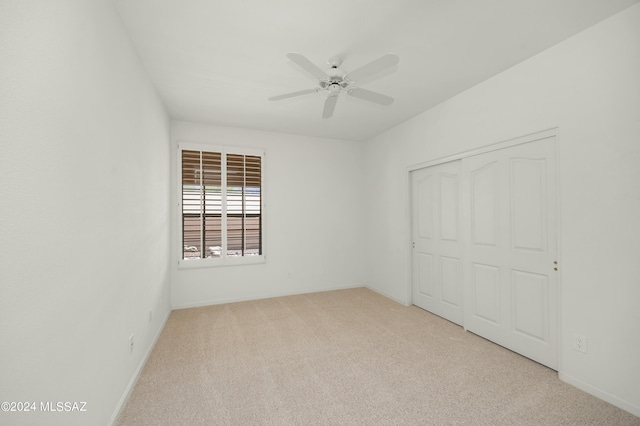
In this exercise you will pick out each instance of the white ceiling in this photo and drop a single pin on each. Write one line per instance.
(215, 61)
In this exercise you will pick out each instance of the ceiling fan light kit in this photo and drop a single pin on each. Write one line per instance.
(336, 80)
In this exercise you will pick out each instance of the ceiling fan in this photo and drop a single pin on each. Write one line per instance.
(336, 80)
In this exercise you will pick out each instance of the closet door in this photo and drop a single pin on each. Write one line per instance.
(509, 214)
(437, 245)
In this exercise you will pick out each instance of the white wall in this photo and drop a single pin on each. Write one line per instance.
(84, 209)
(588, 87)
(313, 219)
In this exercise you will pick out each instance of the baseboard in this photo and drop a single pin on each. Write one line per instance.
(599, 393)
(267, 295)
(388, 296)
(136, 374)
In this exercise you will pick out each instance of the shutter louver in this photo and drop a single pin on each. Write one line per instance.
(212, 182)
(253, 224)
(191, 205)
(235, 196)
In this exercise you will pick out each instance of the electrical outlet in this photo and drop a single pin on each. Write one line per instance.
(131, 344)
(580, 343)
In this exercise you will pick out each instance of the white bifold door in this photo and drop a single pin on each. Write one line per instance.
(487, 246)
(510, 253)
(437, 240)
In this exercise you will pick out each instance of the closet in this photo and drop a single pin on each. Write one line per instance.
(484, 244)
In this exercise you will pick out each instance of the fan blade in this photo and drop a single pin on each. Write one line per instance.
(291, 95)
(329, 106)
(371, 68)
(307, 65)
(368, 95)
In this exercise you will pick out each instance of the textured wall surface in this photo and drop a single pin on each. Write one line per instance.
(84, 210)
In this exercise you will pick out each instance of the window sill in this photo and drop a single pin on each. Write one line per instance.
(212, 263)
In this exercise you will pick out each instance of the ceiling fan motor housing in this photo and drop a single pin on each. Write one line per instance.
(334, 88)
(336, 81)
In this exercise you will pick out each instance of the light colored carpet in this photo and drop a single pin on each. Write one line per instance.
(348, 357)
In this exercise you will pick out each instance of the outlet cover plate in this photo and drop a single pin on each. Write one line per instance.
(580, 343)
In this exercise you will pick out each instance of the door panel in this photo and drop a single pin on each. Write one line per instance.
(437, 246)
(530, 307)
(425, 275)
(529, 208)
(451, 270)
(449, 207)
(484, 205)
(424, 193)
(486, 293)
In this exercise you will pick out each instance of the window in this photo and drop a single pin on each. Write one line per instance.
(221, 205)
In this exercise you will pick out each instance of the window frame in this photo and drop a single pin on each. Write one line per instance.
(224, 260)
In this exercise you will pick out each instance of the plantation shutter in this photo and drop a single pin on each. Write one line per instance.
(201, 204)
(221, 222)
(244, 219)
